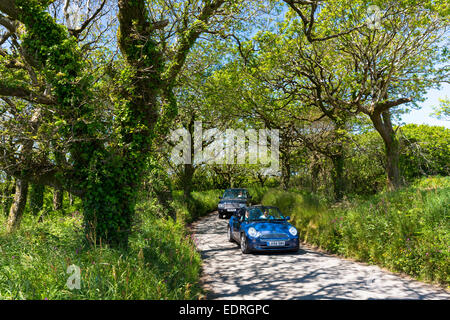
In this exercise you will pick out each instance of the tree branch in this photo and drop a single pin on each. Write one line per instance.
(76, 32)
(308, 24)
(9, 7)
(384, 106)
(26, 94)
(8, 24)
(189, 38)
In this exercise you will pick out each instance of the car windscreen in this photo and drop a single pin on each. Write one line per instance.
(265, 213)
(235, 194)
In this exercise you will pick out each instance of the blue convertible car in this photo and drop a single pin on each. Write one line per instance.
(262, 228)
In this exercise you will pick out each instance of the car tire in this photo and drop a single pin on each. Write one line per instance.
(244, 244)
(229, 236)
(295, 249)
(220, 216)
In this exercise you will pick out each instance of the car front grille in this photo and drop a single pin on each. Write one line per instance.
(274, 236)
(230, 206)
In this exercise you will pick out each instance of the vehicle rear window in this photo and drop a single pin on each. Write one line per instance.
(235, 194)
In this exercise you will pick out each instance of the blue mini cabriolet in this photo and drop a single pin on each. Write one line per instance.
(262, 228)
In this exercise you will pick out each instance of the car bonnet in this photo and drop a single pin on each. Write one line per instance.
(270, 227)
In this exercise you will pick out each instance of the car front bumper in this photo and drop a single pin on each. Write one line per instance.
(256, 244)
(227, 212)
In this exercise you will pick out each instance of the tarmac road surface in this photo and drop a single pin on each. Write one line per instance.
(308, 274)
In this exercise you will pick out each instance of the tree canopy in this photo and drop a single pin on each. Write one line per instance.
(90, 91)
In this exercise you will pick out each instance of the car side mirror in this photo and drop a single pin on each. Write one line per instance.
(288, 218)
(220, 198)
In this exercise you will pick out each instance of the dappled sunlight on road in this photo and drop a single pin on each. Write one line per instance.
(308, 274)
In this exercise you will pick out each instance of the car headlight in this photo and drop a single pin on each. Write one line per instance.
(220, 205)
(241, 205)
(293, 231)
(253, 233)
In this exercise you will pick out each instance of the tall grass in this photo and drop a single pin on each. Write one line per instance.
(257, 193)
(407, 230)
(161, 262)
(200, 204)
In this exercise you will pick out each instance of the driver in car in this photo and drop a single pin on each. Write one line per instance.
(265, 215)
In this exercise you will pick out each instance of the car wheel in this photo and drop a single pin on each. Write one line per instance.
(220, 216)
(229, 236)
(244, 244)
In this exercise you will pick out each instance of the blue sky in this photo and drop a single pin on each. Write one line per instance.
(422, 115)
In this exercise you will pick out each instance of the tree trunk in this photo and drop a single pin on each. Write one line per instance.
(383, 125)
(18, 206)
(338, 175)
(262, 179)
(189, 168)
(187, 179)
(315, 169)
(70, 199)
(392, 163)
(230, 179)
(57, 199)
(285, 171)
(36, 198)
(8, 194)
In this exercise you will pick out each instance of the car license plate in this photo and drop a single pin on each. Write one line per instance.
(231, 210)
(275, 243)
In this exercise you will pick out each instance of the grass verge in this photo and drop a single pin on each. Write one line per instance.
(407, 230)
(161, 262)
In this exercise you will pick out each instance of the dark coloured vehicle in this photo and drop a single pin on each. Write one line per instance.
(262, 228)
(232, 200)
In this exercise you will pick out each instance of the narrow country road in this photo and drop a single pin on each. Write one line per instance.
(308, 274)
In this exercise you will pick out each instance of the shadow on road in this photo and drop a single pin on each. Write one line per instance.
(306, 274)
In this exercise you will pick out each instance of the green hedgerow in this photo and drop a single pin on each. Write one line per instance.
(407, 230)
